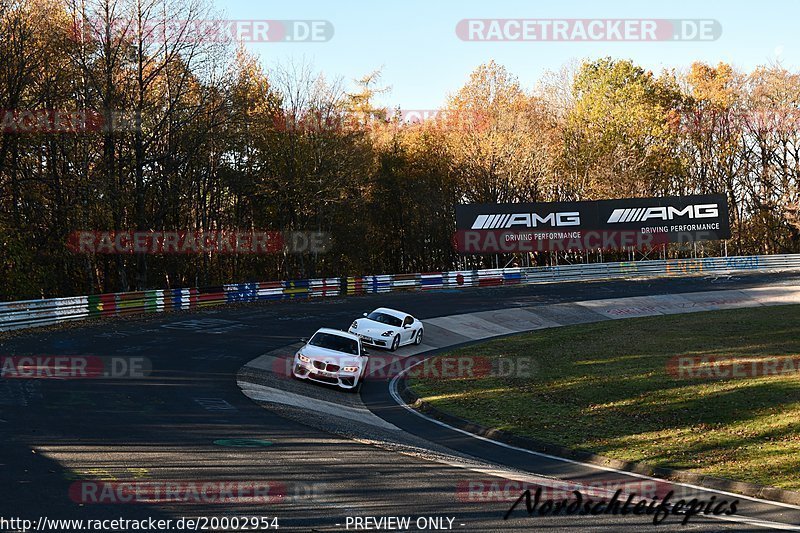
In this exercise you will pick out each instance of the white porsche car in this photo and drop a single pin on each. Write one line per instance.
(332, 357)
(388, 328)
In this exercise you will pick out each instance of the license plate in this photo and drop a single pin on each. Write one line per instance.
(367, 339)
(326, 374)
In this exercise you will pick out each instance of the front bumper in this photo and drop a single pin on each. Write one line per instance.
(378, 342)
(339, 378)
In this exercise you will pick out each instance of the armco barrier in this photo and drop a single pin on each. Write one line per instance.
(33, 313)
(431, 280)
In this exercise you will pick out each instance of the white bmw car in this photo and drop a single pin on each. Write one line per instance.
(332, 357)
(388, 328)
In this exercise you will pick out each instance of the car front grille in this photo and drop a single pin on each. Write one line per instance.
(327, 367)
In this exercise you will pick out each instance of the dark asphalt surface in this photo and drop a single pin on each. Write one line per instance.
(163, 427)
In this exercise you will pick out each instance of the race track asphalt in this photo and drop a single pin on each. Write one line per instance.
(56, 433)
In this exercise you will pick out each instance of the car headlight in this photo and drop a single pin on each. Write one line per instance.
(303, 358)
(350, 369)
(354, 325)
(386, 334)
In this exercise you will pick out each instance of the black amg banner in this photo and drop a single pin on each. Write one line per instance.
(606, 224)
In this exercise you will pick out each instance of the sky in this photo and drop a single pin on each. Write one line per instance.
(423, 60)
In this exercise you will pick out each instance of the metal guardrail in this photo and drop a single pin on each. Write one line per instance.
(34, 313)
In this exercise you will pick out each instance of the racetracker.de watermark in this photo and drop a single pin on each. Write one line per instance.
(508, 490)
(508, 241)
(208, 30)
(136, 491)
(582, 30)
(78, 121)
(731, 367)
(198, 242)
(74, 367)
(50, 121)
(611, 494)
(385, 367)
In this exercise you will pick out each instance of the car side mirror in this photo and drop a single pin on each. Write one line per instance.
(365, 314)
(364, 352)
(407, 326)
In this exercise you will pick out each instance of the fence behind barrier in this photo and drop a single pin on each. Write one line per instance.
(34, 313)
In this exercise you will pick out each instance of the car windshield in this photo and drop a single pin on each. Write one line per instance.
(334, 342)
(383, 318)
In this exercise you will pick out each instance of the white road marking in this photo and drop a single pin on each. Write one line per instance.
(214, 404)
(470, 326)
(313, 405)
(214, 326)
